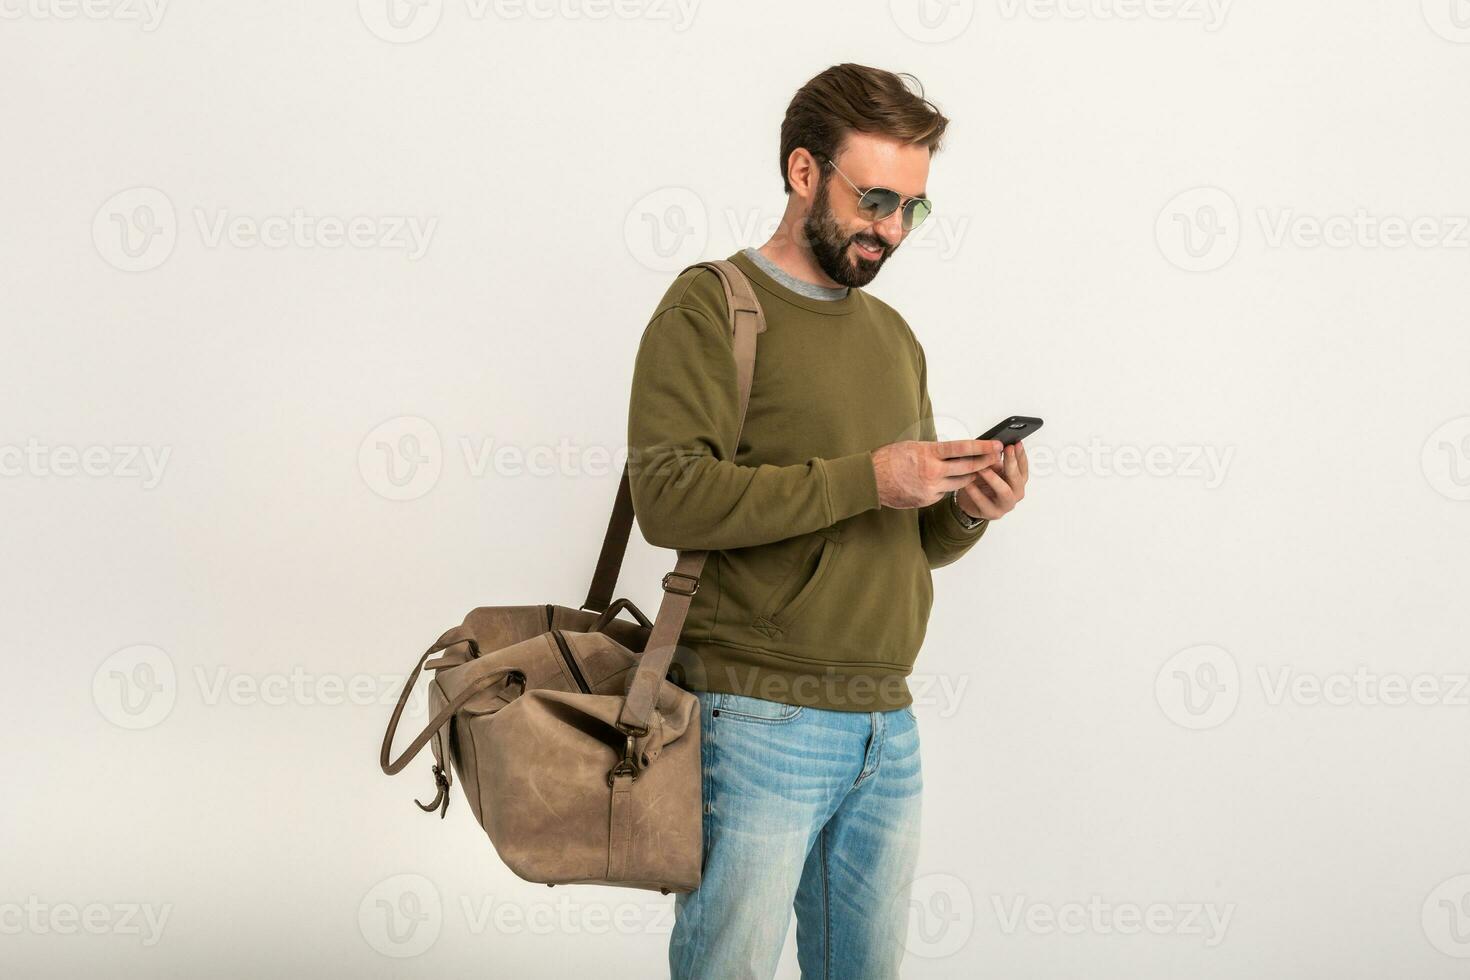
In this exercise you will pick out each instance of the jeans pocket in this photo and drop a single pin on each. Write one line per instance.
(743, 708)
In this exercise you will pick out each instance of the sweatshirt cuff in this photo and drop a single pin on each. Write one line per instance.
(852, 485)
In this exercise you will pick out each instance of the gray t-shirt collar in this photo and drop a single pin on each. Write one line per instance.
(809, 289)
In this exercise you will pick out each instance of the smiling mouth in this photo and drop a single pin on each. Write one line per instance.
(868, 252)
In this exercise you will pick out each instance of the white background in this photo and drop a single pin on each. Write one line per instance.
(1122, 244)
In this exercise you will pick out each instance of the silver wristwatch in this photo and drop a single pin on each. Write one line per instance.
(966, 521)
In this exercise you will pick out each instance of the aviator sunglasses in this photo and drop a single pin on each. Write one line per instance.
(877, 203)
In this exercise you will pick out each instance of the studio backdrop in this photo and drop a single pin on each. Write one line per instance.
(318, 324)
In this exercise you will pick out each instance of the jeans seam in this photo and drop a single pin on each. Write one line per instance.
(709, 785)
(707, 757)
(826, 910)
(878, 758)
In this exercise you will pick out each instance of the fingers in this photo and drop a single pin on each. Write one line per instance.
(956, 481)
(968, 465)
(1011, 467)
(968, 447)
(994, 492)
(1005, 497)
(981, 503)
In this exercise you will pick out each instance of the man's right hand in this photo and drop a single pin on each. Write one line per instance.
(916, 474)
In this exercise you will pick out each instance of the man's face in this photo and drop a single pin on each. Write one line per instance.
(849, 248)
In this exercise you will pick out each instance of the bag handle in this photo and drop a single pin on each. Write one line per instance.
(747, 320)
(611, 612)
(459, 634)
(620, 524)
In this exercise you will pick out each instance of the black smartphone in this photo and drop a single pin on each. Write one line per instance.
(1013, 429)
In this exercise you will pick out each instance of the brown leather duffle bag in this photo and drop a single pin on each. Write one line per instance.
(575, 751)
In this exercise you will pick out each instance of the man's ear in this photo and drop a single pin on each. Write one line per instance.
(804, 173)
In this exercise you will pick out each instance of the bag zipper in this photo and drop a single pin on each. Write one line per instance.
(566, 653)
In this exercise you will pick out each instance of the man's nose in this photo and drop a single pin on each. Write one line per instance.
(890, 229)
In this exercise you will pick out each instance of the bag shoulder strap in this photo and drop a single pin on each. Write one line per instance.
(746, 320)
(739, 299)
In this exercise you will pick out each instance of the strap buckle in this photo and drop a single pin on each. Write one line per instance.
(441, 798)
(626, 765)
(679, 591)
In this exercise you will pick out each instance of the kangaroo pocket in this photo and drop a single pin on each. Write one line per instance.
(809, 569)
(857, 592)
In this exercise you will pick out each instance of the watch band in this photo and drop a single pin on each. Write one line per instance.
(966, 521)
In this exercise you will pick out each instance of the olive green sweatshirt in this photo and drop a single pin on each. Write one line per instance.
(813, 593)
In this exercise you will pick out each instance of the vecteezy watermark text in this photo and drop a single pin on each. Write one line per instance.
(1204, 920)
(1200, 687)
(40, 918)
(1205, 463)
(119, 462)
(137, 687)
(137, 229)
(1209, 13)
(1201, 229)
(407, 21)
(147, 14)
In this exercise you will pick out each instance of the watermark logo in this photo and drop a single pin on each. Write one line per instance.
(937, 914)
(1450, 19)
(136, 229)
(1206, 464)
(667, 229)
(136, 687)
(932, 21)
(1206, 921)
(147, 14)
(1362, 688)
(1446, 917)
(565, 916)
(401, 916)
(39, 918)
(1199, 230)
(410, 234)
(1208, 13)
(944, 234)
(679, 13)
(1362, 229)
(407, 21)
(1446, 459)
(1198, 687)
(401, 21)
(146, 464)
(402, 458)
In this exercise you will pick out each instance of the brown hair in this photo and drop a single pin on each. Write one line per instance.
(855, 98)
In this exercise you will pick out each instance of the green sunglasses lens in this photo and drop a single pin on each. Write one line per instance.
(878, 203)
(915, 213)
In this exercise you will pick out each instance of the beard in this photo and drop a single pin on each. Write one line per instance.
(830, 244)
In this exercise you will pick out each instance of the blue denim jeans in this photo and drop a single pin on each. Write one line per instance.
(805, 808)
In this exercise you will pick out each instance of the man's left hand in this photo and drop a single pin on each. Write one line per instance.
(997, 490)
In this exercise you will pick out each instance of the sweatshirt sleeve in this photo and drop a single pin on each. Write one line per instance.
(945, 539)
(688, 492)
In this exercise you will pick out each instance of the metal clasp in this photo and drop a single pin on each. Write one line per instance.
(684, 575)
(441, 798)
(626, 765)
